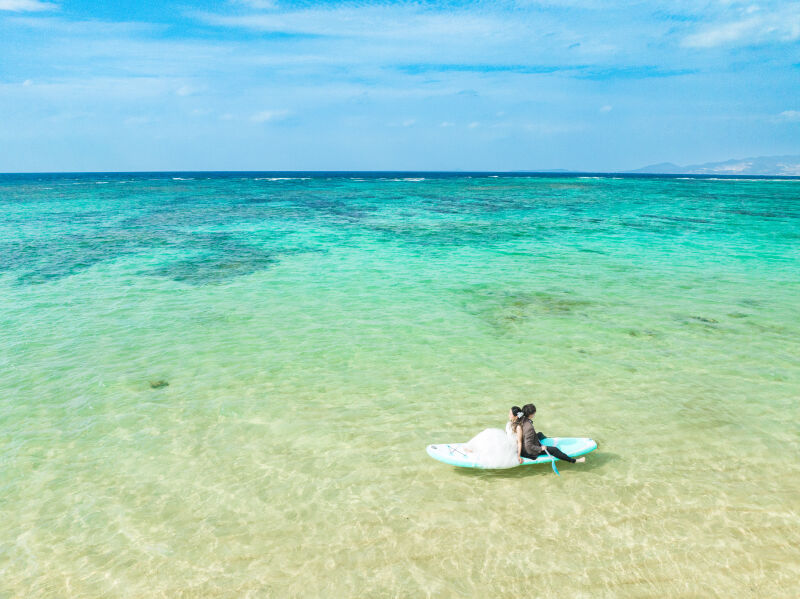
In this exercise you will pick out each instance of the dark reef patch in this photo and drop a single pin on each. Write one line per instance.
(159, 384)
(751, 303)
(504, 310)
(677, 219)
(50, 259)
(220, 255)
(764, 214)
(642, 333)
(343, 209)
(448, 234)
(214, 267)
(705, 320)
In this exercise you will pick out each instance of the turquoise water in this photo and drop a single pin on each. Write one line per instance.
(222, 386)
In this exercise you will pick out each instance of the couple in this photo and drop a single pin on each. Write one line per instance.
(494, 448)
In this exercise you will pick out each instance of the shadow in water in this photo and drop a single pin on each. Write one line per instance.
(594, 464)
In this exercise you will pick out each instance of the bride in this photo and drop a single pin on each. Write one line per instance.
(497, 448)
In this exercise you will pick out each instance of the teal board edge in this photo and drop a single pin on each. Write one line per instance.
(451, 453)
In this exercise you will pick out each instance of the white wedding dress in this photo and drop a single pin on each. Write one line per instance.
(494, 448)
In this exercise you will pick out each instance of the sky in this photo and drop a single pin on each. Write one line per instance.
(487, 85)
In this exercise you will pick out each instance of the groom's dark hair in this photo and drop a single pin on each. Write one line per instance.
(529, 409)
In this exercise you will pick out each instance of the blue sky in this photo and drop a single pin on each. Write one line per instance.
(271, 85)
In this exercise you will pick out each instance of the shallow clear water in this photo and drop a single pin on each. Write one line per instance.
(223, 386)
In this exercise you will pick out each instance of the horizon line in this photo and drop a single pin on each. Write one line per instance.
(531, 173)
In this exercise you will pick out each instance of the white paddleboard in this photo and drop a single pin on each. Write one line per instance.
(454, 454)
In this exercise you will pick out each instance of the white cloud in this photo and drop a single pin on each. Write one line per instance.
(135, 121)
(473, 124)
(186, 90)
(269, 115)
(721, 34)
(27, 5)
(780, 25)
(256, 4)
(94, 28)
(446, 124)
(409, 122)
(474, 35)
(606, 108)
(385, 22)
(116, 89)
(553, 128)
(793, 116)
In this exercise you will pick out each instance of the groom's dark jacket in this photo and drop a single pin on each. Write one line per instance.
(530, 440)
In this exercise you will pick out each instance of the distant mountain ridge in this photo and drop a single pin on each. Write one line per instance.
(786, 166)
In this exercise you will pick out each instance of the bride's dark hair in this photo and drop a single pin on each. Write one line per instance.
(517, 411)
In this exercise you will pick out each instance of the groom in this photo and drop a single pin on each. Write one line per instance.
(532, 441)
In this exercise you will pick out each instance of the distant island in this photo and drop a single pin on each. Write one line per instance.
(761, 165)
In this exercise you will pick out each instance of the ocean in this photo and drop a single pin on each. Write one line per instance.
(222, 384)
